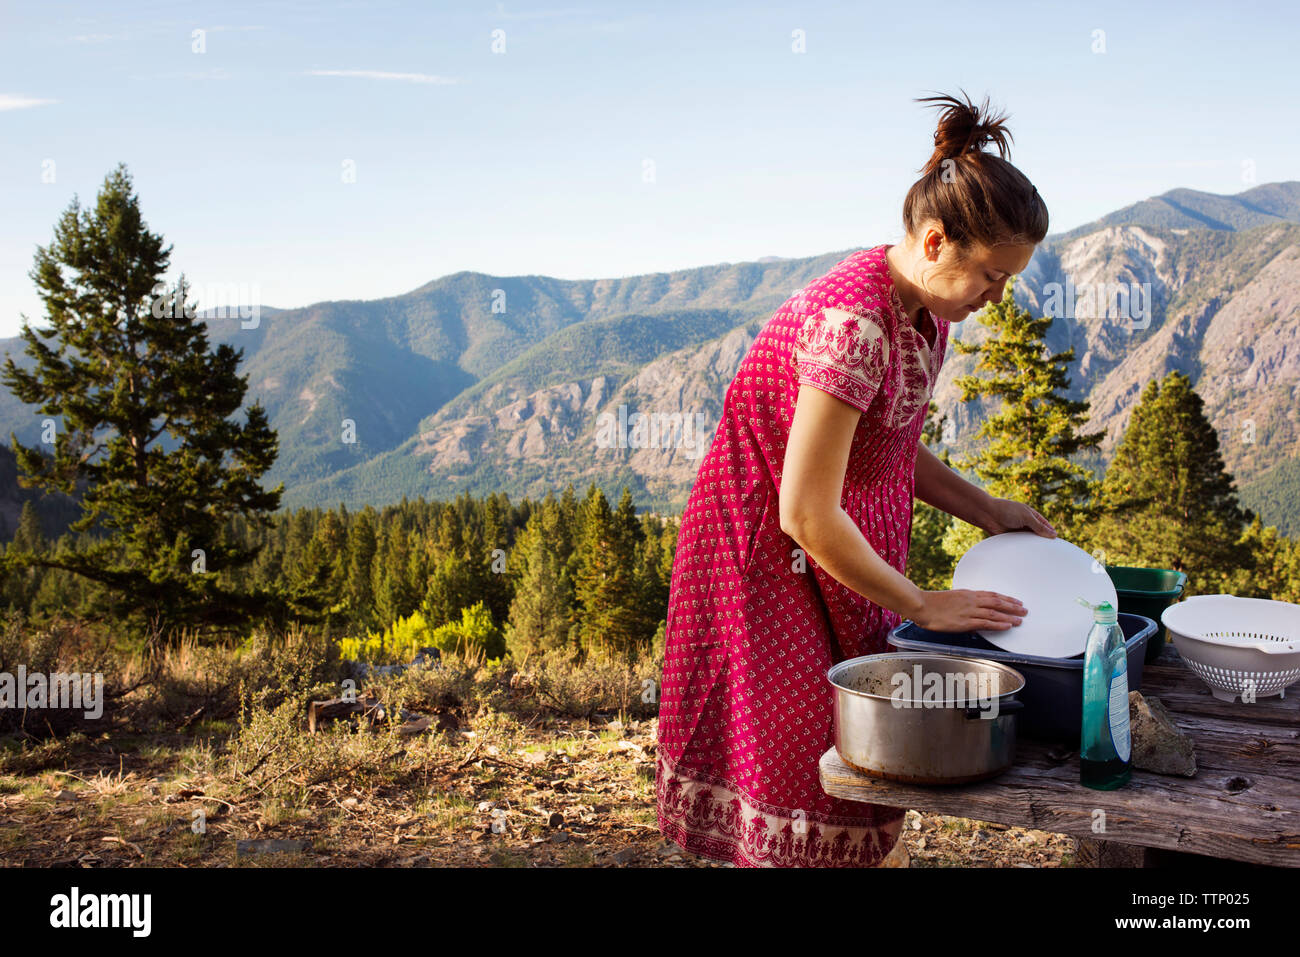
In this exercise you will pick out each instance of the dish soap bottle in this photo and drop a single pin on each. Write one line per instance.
(1104, 751)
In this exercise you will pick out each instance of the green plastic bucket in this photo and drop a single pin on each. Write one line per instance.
(1147, 592)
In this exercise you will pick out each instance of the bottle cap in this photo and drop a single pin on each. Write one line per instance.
(1103, 613)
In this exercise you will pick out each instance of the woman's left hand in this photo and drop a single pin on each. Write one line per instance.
(1006, 515)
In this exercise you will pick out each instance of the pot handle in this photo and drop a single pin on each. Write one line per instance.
(1005, 707)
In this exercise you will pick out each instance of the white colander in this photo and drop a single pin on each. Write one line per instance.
(1237, 645)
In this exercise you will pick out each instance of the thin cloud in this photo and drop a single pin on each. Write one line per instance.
(93, 38)
(382, 75)
(10, 102)
(536, 14)
(216, 73)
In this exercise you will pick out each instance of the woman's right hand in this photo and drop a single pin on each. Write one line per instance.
(962, 609)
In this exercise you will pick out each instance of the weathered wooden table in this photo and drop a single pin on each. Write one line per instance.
(1243, 804)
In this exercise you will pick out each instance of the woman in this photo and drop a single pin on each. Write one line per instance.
(794, 541)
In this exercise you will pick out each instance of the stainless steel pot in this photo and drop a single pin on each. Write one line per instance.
(926, 718)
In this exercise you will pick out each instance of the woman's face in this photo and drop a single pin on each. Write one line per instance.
(958, 283)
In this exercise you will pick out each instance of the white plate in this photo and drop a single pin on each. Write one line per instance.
(1046, 575)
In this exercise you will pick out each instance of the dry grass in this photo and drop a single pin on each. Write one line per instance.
(206, 747)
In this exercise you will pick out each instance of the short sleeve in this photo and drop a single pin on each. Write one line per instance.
(844, 353)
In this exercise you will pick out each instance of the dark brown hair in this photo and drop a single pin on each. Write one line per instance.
(979, 198)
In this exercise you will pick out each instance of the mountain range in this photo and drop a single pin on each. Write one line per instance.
(477, 383)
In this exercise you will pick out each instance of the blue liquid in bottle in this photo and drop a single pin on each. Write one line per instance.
(1104, 750)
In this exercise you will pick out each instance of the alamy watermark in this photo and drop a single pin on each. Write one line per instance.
(128, 911)
(653, 430)
(950, 689)
(219, 301)
(73, 691)
(1111, 300)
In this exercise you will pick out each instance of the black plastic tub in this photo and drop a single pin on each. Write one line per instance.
(1053, 692)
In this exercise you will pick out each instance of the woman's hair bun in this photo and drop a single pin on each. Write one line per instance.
(965, 128)
(976, 196)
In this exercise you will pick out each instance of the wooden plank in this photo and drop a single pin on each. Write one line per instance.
(1179, 698)
(1250, 826)
(1243, 804)
(1174, 684)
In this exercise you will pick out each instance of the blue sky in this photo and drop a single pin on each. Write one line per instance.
(533, 160)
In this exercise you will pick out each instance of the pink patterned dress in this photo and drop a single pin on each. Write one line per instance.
(753, 623)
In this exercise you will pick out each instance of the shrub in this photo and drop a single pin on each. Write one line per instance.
(476, 634)
(397, 644)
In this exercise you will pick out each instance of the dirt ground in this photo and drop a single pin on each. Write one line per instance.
(560, 794)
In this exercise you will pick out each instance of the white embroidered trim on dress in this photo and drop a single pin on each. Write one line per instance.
(706, 817)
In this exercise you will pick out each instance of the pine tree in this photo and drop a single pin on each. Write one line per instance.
(542, 609)
(22, 584)
(1274, 568)
(654, 577)
(125, 364)
(1026, 445)
(496, 592)
(394, 595)
(29, 536)
(1168, 501)
(362, 546)
(607, 619)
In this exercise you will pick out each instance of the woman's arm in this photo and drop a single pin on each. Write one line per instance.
(940, 486)
(812, 482)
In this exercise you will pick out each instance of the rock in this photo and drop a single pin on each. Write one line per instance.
(427, 656)
(65, 796)
(350, 802)
(416, 726)
(1158, 745)
(271, 846)
(320, 713)
(559, 837)
(625, 855)
(363, 670)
